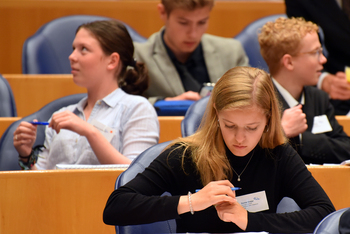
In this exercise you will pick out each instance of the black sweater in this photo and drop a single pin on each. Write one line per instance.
(138, 202)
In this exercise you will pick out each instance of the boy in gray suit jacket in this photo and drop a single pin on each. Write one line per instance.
(181, 57)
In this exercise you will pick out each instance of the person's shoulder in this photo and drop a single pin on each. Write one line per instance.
(315, 92)
(144, 50)
(132, 100)
(283, 150)
(219, 41)
(229, 48)
(70, 108)
(178, 150)
(140, 46)
(173, 151)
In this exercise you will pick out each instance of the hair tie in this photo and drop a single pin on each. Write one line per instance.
(132, 65)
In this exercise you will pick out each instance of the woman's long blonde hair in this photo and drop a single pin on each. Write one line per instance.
(239, 87)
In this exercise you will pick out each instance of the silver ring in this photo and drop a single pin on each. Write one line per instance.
(16, 137)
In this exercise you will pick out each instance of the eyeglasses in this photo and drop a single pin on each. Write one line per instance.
(316, 52)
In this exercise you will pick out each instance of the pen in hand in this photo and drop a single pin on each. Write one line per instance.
(232, 188)
(39, 123)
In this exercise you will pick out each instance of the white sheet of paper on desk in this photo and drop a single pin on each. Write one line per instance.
(82, 166)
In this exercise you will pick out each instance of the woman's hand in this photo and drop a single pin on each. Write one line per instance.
(233, 212)
(189, 95)
(70, 121)
(24, 137)
(213, 193)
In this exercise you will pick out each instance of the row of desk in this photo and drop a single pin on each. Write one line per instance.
(72, 201)
(31, 92)
(20, 19)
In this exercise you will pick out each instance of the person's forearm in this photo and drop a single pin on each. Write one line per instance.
(321, 79)
(183, 205)
(325, 82)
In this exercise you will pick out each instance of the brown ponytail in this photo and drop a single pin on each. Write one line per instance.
(135, 80)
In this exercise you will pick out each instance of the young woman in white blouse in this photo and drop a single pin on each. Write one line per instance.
(113, 124)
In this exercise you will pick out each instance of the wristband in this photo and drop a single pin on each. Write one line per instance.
(25, 156)
(32, 158)
(190, 202)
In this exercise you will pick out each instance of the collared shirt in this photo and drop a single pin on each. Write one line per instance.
(132, 117)
(289, 98)
(195, 65)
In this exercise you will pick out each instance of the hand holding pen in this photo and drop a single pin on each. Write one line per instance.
(39, 123)
(24, 137)
(214, 193)
(232, 188)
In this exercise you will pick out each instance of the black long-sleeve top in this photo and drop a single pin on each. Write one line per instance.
(139, 201)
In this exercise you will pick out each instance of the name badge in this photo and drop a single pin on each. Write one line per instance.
(321, 124)
(106, 131)
(254, 202)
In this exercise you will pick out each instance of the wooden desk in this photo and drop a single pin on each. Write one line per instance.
(345, 122)
(20, 19)
(72, 201)
(55, 201)
(170, 127)
(335, 180)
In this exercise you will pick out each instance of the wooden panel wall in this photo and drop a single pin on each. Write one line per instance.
(19, 19)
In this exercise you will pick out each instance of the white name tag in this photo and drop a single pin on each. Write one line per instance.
(106, 131)
(254, 202)
(321, 125)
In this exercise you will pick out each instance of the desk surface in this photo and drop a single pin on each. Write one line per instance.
(55, 201)
(72, 201)
(335, 180)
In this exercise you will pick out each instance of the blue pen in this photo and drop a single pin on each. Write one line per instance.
(39, 123)
(233, 189)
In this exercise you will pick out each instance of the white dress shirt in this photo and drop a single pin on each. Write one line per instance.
(132, 118)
